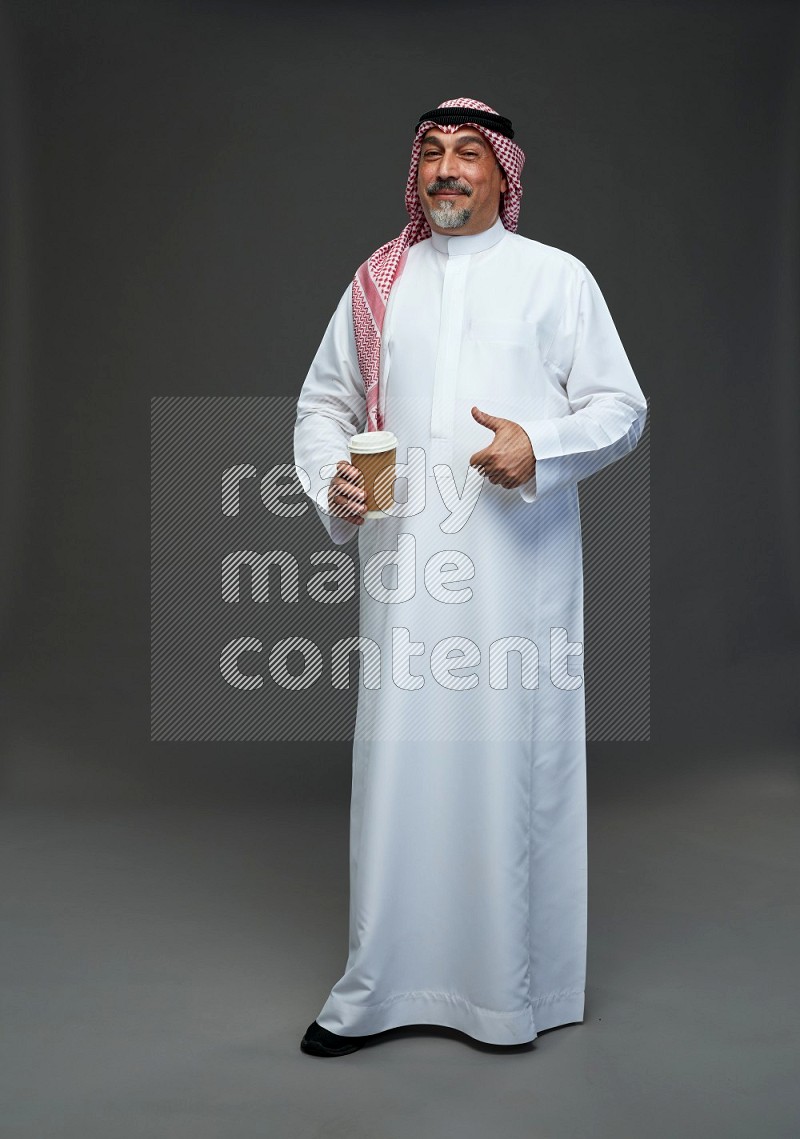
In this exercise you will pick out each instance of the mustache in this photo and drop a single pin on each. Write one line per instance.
(448, 184)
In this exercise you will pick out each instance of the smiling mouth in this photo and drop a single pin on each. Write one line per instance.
(449, 192)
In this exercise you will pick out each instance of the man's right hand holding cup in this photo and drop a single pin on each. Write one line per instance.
(347, 497)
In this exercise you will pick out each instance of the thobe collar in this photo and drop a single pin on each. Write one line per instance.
(469, 242)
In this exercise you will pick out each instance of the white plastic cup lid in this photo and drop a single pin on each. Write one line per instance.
(369, 442)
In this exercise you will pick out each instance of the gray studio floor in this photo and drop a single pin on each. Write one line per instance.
(161, 961)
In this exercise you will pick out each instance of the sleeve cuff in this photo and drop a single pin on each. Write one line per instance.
(546, 444)
(339, 529)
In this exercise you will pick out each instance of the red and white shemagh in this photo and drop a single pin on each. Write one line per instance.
(374, 279)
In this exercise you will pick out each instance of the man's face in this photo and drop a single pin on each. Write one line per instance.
(459, 181)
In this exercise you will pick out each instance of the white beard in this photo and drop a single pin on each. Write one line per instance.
(446, 216)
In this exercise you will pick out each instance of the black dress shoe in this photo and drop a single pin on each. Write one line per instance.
(318, 1041)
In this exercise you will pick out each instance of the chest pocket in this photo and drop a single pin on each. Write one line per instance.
(508, 365)
(519, 332)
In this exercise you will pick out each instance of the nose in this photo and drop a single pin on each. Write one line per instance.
(448, 166)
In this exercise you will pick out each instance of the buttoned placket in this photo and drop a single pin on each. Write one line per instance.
(445, 379)
(459, 251)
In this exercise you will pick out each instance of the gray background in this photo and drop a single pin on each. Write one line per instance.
(186, 189)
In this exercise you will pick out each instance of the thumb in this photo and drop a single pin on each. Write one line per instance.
(483, 417)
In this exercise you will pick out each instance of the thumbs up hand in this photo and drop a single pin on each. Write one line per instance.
(509, 459)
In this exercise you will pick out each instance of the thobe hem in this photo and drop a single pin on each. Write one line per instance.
(449, 1010)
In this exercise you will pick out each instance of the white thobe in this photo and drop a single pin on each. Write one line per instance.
(468, 855)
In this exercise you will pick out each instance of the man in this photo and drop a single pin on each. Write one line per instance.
(495, 362)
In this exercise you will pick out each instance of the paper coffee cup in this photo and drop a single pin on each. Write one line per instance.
(375, 455)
